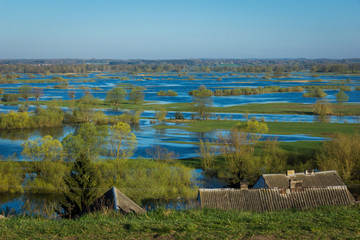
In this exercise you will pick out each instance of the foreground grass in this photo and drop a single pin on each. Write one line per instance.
(340, 222)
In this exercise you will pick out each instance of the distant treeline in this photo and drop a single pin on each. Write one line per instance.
(336, 68)
(277, 66)
(247, 91)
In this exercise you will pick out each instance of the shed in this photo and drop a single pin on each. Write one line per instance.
(308, 178)
(116, 200)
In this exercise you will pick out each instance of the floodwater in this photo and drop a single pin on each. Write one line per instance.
(171, 81)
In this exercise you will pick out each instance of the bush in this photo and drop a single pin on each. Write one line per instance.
(13, 120)
(315, 92)
(11, 177)
(58, 79)
(10, 97)
(179, 115)
(149, 179)
(50, 117)
(341, 154)
(62, 86)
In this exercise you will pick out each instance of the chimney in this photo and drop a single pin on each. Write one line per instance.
(294, 183)
(309, 172)
(244, 186)
(290, 172)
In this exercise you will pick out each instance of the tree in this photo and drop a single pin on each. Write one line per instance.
(116, 95)
(341, 97)
(42, 150)
(88, 140)
(207, 154)
(136, 95)
(10, 97)
(159, 153)
(342, 154)
(202, 100)
(37, 93)
(71, 94)
(82, 185)
(122, 141)
(238, 148)
(161, 114)
(323, 109)
(25, 91)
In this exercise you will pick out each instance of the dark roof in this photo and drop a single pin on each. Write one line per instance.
(274, 199)
(317, 179)
(116, 200)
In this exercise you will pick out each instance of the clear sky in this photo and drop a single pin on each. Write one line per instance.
(170, 29)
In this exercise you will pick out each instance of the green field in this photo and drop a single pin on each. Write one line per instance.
(266, 108)
(313, 129)
(332, 222)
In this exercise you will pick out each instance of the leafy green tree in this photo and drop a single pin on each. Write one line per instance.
(238, 148)
(50, 117)
(25, 91)
(323, 109)
(273, 157)
(88, 139)
(116, 95)
(207, 154)
(161, 114)
(136, 95)
(122, 141)
(13, 120)
(83, 185)
(341, 97)
(202, 101)
(10, 97)
(342, 154)
(11, 177)
(42, 150)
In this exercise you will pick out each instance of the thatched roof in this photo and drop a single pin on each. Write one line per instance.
(274, 199)
(116, 200)
(315, 179)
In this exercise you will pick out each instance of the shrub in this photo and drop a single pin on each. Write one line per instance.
(179, 115)
(341, 154)
(11, 177)
(10, 97)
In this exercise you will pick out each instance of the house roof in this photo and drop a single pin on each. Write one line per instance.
(274, 199)
(317, 179)
(115, 199)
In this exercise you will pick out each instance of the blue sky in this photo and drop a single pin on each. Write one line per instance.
(169, 29)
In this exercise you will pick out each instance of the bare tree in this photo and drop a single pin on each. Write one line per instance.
(38, 93)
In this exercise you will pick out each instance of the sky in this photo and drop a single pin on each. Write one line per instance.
(169, 29)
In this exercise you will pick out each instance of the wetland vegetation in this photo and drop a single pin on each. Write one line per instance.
(228, 128)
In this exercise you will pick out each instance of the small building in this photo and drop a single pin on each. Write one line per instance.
(114, 199)
(261, 200)
(281, 191)
(308, 178)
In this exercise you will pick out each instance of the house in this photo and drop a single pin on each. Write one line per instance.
(281, 191)
(274, 199)
(114, 199)
(308, 178)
